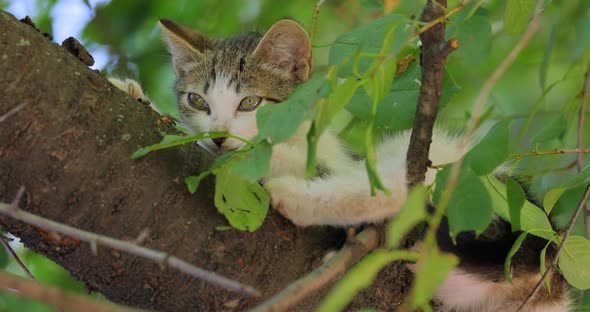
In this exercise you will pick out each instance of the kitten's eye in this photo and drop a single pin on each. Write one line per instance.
(197, 102)
(249, 103)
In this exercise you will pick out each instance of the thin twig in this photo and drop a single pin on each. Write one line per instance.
(12, 111)
(553, 265)
(583, 116)
(365, 241)
(556, 151)
(17, 198)
(16, 258)
(314, 19)
(579, 159)
(57, 297)
(131, 248)
(442, 18)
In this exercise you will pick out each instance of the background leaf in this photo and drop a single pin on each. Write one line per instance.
(492, 151)
(574, 261)
(517, 15)
(470, 206)
(475, 40)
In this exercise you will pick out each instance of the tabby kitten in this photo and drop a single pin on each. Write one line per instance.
(220, 85)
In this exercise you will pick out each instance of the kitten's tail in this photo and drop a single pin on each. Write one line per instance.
(479, 283)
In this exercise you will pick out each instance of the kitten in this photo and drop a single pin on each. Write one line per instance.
(220, 85)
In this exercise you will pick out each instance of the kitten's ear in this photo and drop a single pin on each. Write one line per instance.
(286, 49)
(184, 44)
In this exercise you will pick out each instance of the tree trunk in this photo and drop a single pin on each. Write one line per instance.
(70, 146)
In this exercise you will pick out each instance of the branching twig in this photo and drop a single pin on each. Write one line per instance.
(366, 241)
(314, 19)
(131, 248)
(57, 297)
(553, 265)
(12, 111)
(551, 152)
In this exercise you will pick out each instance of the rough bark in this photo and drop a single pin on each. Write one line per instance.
(70, 146)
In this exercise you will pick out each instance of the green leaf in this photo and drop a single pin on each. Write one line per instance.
(412, 212)
(170, 140)
(271, 121)
(371, 162)
(554, 194)
(492, 151)
(516, 198)
(517, 15)
(335, 102)
(242, 202)
(360, 277)
(543, 267)
(532, 218)
(380, 77)
(515, 247)
(369, 38)
(582, 39)
(470, 206)
(554, 127)
(551, 198)
(574, 261)
(432, 272)
(192, 182)
(255, 163)
(328, 109)
(547, 57)
(396, 110)
(475, 40)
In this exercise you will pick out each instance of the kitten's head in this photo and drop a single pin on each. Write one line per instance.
(221, 83)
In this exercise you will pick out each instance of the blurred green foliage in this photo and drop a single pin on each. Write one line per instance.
(540, 92)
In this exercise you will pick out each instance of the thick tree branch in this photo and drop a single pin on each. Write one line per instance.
(71, 145)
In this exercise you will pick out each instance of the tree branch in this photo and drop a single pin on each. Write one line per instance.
(434, 54)
(128, 247)
(57, 297)
(71, 146)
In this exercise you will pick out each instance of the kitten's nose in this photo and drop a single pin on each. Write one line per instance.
(218, 141)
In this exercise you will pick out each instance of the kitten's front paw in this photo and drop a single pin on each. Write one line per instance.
(285, 195)
(132, 88)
